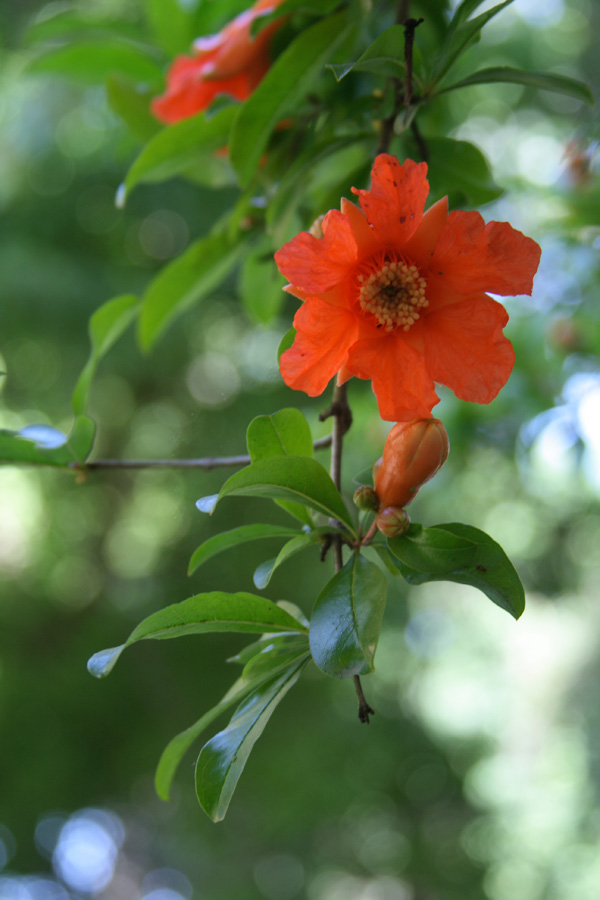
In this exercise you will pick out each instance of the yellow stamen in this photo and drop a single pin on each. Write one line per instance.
(394, 294)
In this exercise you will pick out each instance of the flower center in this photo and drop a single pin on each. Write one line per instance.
(394, 294)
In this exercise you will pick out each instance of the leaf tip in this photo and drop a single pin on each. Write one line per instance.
(121, 196)
(207, 504)
(101, 663)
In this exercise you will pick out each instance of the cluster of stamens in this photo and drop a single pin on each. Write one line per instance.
(394, 294)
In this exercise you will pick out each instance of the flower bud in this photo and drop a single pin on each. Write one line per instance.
(365, 498)
(413, 453)
(392, 521)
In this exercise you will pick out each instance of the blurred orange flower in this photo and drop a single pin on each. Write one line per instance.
(230, 62)
(397, 296)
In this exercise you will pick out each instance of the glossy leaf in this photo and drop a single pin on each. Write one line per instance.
(346, 620)
(91, 62)
(31, 446)
(460, 37)
(489, 571)
(106, 326)
(433, 550)
(264, 572)
(546, 81)
(295, 478)
(285, 85)
(285, 433)
(177, 148)
(222, 761)
(230, 539)
(185, 282)
(385, 56)
(213, 611)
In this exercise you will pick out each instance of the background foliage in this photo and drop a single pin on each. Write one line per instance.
(478, 775)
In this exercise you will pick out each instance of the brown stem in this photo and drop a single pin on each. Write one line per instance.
(410, 26)
(206, 463)
(403, 93)
(364, 710)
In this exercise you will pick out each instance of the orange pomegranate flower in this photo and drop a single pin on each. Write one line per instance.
(230, 62)
(398, 297)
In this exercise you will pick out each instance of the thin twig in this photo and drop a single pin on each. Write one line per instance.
(206, 463)
(410, 26)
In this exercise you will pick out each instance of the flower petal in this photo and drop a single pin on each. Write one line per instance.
(395, 202)
(323, 335)
(473, 256)
(318, 264)
(422, 244)
(188, 92)
(402, 385)
(466, 350)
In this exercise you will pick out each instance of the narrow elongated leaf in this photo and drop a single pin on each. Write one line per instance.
(251, 651)
(176, 148)
(106, 326)
(346, 620)
(31, 447)
(282, 89)
(285, 433)
(385, 56)
(213, 611)
(546, 81)
(263, 573)
(490, 570)
(459, 39)
(184, 282)
(433, 550)
(233, 538)
(91, 62)
(295, 478)
(222, 761)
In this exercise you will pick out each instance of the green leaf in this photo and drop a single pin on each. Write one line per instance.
(233, 538)
(269, 665)
(346, 620)
(42, 446)
(385, 56)
(176, 149)
(91, 62)
(171, 24)
(460, 36)
(261, 285)
(106, 326)
(184, 282)
(286, 342)
(263, 573)
(293, 478)
(131, 102)
(285, 85)
(546, 81)
(213, 611)
(460, 169)
(490, 570)
(433, 550)
(285, 433)
(222, 761)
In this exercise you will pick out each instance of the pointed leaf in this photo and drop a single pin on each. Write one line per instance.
(106, 326)
(285, 433)
(546, 81)
(232, 538)
(263, 573)
(490, 570)
(385, 56)
(433, 550)
(293, 478)
(346, 620)
(213, 611)
(222, 761)
(284, 86)
(32, 447)
(460, 37)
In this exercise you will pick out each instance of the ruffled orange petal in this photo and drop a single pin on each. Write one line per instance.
(324, 334)
(315, 264)
(466, 350)
(402, 385)
(422, 244)
(366, 241)
(473, 256)
(395, 202)
(188, 92)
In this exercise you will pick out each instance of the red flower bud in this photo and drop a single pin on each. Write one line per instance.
(392, 521)
(413, 453)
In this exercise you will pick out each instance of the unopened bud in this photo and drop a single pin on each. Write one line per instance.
(392, 521)
(365, 498)
(413, 453)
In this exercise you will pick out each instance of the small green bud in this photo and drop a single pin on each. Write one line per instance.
(366, 498)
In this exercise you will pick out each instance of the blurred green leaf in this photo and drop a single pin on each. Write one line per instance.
(264, 572)
(346, 619)
(233, 538)
(460, 168)
(131, 102)
(385, 56)
(172, 25)
(106, 326)
(293, 478)
(461, 34)
(432, 550)
(30, 448)
(546, 81)
(286, 342)
(213, 611)
(490, 570)
(285, 433)
(186, 281)
(284, 86)
(261, 285)
(222, 761)
(179, 147)
(91, 62)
